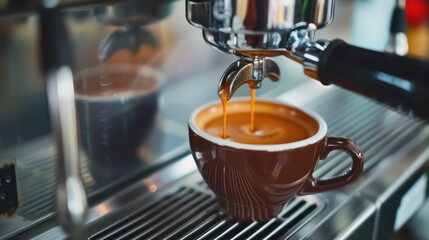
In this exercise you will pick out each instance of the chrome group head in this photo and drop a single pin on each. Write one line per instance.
(253, 30)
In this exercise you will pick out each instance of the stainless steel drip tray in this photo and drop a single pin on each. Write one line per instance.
(188, 210)
(175, 203)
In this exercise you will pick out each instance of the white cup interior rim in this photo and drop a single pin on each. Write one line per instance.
(321, 133)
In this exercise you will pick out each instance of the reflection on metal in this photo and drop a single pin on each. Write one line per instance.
(132, 16)
(398, 44)
(153, 188)
(256, 24)
(71, 196)
(103, 209)
(131, 38)
(398, 40)
(251, 71)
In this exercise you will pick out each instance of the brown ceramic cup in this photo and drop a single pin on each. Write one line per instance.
(253, 181)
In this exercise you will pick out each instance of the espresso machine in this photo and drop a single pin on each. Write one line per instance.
(52, 187)
(255, 30)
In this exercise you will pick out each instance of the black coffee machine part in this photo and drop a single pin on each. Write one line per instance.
(400, 82)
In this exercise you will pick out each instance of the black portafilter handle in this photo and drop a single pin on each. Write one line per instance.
(400, 82)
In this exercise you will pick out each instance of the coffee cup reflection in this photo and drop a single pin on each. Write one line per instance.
(115, 106)
(255, 174)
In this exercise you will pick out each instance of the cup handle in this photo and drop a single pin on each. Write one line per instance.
(353, 150)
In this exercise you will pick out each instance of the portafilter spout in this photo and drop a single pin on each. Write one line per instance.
(251, 71)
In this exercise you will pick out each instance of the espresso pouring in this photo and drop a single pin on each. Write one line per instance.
(262, 124)
(274, 123)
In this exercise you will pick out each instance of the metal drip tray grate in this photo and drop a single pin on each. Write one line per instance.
(192, 213)
(379, 132)
(184, 207)
(36, 180)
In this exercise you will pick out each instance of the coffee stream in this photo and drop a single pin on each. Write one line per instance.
(224, 99)
(252, 110)
(223, 95)
(267, 123)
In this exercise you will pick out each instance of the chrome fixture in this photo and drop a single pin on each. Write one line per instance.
(398, 41)
(71, 196)
(251, 71)
(256, 29)
(131, 17)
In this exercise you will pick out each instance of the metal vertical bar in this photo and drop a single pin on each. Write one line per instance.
(71, 197)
